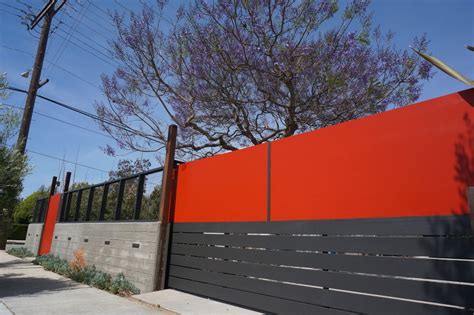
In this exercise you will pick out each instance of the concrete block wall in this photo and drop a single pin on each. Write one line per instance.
(113, 247)
(14, 244)
(33, 237)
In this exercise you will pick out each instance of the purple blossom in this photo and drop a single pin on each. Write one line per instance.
(425, 69)
(227, 74)
(109, 150)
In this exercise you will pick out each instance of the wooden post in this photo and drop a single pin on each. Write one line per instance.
(165, 207)
(470, 205)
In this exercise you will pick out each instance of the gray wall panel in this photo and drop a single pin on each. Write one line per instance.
(293, 256)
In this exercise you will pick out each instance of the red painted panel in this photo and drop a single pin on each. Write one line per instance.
(226, 187)
(49, 223)
(413, 161)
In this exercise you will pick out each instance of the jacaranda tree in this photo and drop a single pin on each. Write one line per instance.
(233, 73)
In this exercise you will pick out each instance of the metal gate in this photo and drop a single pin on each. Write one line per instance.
(379, 266)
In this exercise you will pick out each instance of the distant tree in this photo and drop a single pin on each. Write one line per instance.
(13, 167)
(233, 73)
(23, 211)
(128, 167)
(150, 200)
(84, 199)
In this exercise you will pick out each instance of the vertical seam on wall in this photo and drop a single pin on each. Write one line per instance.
(269, 182)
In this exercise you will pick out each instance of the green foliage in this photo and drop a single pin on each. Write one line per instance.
(18, 232)
(122, 286)
(101, 280)
(53, 263)
(20, 252)
(84, 275)
(88, 275)
(23, 212)
(9, 119)
(13, 167)
(127, 168)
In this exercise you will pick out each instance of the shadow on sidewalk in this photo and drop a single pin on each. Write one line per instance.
(16, 284)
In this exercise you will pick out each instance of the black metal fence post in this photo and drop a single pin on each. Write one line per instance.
(68, 207)
(64, 197)
(89, 203)
(138, 199)
(103, 205)
(36, 211)
(78, 205)
(118, 209)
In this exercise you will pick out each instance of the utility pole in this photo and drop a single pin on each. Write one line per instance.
(47, 13)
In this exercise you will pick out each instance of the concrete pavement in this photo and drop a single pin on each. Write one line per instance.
(189, 304)
(29, 289)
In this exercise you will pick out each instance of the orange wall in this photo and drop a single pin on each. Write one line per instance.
(405, 162)
(226, 187)
(398, 163)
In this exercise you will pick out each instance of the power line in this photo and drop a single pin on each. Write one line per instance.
(56, 65)
(98, 57)
(95, 22)
(124, 7)
(29, 6)
(66, 161)
(66, 41)
(60, 120)
(100, 9)
(100, 17)
(90, 39)
(90, 28)
(90, 115)
(13, 7)
(11, 13)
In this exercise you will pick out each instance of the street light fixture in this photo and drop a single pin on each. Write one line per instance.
(26, 74)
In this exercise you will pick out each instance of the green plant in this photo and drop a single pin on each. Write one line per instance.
(122, 286)
(13, 166)
(23, 211)
(101, 280)
(84, 275)
(88, 275)
(53, 263)
(20, 252)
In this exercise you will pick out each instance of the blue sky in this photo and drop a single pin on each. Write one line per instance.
(449, 25)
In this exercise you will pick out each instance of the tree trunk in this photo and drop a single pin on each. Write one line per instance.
(5, 227)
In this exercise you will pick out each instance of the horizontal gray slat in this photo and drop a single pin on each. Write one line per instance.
(247, 299)
(450, 270)
(342, 300)
(436, 292)
(429, 225)
(449, 247)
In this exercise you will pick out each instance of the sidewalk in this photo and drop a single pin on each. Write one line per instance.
(29, 289)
